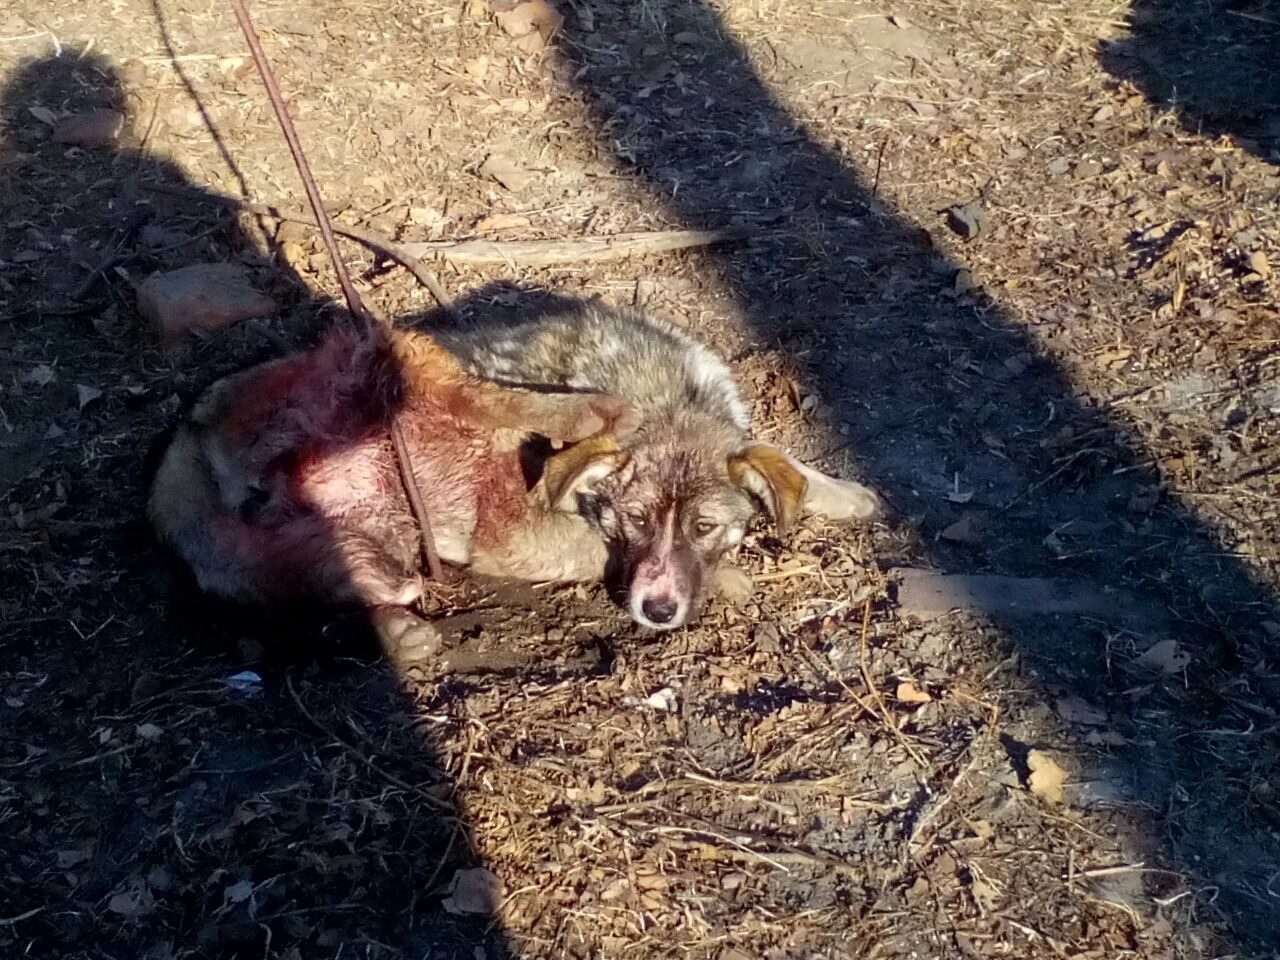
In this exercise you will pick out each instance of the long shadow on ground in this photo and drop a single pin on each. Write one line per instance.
(155, 798)
(1217, 62)
(914, 379)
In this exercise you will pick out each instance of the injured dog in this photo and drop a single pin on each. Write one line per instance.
(675, 495)
(282, 482)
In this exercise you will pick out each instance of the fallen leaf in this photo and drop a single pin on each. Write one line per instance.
(1105, 738)
(475, 891)
(1110, 358)
(238, 892)
(44, 115)
(1167, 656)
(1047, 778)
(41, 375)
(132, 903)
(963, 530)
(70, 858)
(1075, 710)
(908, 692)
(665, 700)
(1259, 264)
(615, 890)
(86, 395)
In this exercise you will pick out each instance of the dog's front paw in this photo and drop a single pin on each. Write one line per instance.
(405, 638)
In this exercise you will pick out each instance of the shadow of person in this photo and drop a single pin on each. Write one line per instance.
(182, 793)
(910, 380)
(1216, 62)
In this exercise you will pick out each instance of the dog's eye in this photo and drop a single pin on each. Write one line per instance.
(638, 520)
(704, 528)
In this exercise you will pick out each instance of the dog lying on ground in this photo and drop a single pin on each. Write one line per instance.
(282, 481)
(675, 495)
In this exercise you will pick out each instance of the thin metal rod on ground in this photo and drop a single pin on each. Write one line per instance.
(373, 326)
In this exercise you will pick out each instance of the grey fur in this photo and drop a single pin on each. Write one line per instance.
(649, 362)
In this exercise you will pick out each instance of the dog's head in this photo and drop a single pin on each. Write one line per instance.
(671, 501)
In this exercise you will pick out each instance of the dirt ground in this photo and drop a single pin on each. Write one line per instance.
(1016, 264)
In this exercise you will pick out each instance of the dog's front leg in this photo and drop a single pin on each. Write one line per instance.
(543, 546)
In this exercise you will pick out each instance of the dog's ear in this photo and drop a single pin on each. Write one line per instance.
(766, 473)
(579, 468)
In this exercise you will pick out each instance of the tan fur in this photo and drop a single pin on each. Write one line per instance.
(783, 488)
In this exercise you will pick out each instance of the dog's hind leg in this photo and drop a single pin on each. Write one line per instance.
(405, 638)
(557, 415)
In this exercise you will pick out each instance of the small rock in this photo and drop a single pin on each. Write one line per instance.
(1059, 167)
(969, 220)
(204, 296)
(1088, 168)
(923, 108)
(97, 128)
(1104, 112)
(964, 282)
(531, 25)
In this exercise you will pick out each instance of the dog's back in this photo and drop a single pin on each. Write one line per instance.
(647, 361)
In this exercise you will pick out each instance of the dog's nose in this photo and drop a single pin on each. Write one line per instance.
(661, 610)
